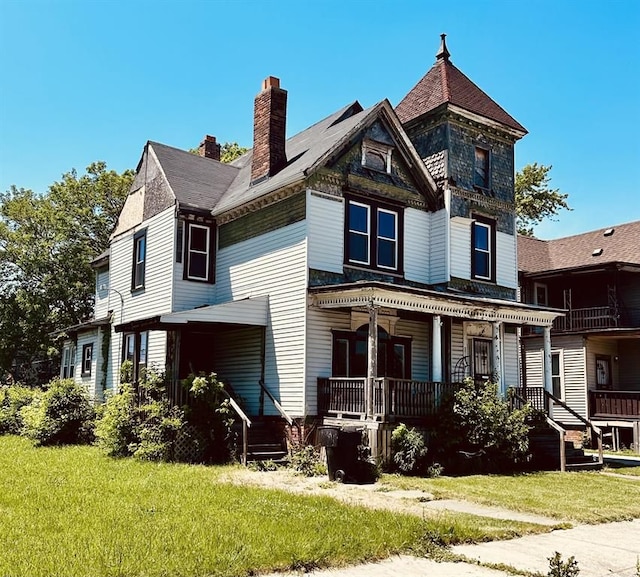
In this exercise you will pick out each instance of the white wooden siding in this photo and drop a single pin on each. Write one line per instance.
(155, 298)
(510, 359)
(325, 223)
(457, 346)
(157, 350)
(506, 266)
(461, 248)
(438, 249)
(420, 333)
(237, 353)
(274, 264)
(320, 323)
(416, 245)
(606, 348)
(101, 307)
(90, 382)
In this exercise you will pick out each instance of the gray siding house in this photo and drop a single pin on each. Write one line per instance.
(349, 273)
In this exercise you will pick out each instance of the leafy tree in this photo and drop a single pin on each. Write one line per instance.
(46, 244)
(229, 151)
(535, 200)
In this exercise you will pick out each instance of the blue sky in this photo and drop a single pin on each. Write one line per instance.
(94, 80)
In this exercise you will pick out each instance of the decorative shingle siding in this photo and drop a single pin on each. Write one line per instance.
(262, 221)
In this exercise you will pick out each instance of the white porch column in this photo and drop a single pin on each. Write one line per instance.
(548, 381)
(436, 350)
(497, 358)
(372, 359)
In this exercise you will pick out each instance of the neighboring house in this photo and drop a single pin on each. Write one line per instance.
(351, 272)
(595, 348)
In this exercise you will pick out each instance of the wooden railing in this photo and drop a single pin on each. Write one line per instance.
(587, 318)
(264, 390)
(391, 397)
(246, 423)
(614, 404)
(532, 395)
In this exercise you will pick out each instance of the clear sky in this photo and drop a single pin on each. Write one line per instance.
(86, 80)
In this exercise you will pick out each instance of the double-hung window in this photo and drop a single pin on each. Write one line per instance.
(556, 375)
(68, 361)
(483, 245)
(87, 358)
(139, 260)
(373, 236)
(134, 349)
(481, 169)
(198, 262)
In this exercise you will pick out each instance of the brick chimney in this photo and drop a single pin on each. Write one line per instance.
(209, 148)
(269, 130)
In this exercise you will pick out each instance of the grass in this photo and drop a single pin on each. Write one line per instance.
(74, 512)
(584, 497)
(631, 471)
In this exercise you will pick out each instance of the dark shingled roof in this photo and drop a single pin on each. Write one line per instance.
(196, 181)
(622, 246)
(445, 84)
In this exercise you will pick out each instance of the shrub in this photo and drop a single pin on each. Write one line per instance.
(477, 420)
(116, 426)
(559, 568)
(408, 448)
(12, 399)
(62, 414)
(306, 461)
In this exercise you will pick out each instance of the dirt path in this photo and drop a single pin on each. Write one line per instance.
(375, 496)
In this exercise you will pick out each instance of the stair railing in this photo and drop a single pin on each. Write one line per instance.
(596, 430)
(275, 402)
(246, 423)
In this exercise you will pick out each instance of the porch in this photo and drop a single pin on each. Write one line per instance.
(589, 318)
(342, 397)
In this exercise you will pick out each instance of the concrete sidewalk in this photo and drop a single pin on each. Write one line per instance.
(610, 549)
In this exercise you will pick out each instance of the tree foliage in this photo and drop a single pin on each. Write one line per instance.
(229, 151)
(46, 244)
(535, 199)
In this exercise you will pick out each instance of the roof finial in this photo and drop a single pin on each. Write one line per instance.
(443, 53)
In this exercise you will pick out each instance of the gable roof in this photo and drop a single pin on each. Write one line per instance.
(445, 84)
(196, 181)
(622, 246)
(311, 148)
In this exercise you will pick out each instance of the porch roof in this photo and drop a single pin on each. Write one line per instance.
(250, 311)
(386, 295)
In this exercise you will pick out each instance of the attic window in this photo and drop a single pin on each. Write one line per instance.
(609, 232)
(376, 155)
(596, 252)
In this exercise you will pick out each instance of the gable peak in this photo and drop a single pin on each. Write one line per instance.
(443, 53)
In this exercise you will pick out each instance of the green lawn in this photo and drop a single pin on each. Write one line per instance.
(584, 497)
(74, 512)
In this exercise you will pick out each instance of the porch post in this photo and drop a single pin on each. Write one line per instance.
(436, 350)
(497, 358)
(372, 359)
(548, 382)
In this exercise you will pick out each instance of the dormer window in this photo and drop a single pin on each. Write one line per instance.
(198, 264)
(376, 156)
(481, 170)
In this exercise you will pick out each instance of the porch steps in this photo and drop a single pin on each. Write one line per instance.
(267, 441)
(545, 450)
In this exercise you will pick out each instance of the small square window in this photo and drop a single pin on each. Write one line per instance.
(377, 156)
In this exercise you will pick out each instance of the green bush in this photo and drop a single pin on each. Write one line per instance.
(560, 568)
(12, 399)
(409, 449)
(62, 414)
(116, 426)
(478, 421)
(306, 461)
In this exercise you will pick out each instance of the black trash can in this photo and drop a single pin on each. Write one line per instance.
(348, 456)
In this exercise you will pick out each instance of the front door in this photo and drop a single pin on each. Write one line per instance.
(482, 360)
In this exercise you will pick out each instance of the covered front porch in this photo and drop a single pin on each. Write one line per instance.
(464, 336)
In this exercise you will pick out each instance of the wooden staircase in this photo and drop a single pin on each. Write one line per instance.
(266, 440)
(548, 453)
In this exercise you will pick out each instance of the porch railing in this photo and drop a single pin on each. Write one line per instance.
(614, 404)
(391, 397)
(532, 395)
(587, 318)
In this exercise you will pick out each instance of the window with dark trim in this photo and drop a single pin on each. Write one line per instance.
(134, 349)
(483, 249)
(481, 170)
(87, 358)
(179, 240)
(198, 255)
(603, 372)
(556, 375)
(139, 260)
(350, 354)
(373, 236)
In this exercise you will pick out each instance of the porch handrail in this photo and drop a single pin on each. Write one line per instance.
(563, 449)
(275, 402)
(246, 423)
(597, 430)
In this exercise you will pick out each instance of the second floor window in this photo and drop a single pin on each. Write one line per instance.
(481, 168)
(483, 249)
(198, 262)
(373, 236)
(139, 260)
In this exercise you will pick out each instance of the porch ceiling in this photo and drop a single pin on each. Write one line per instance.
(249, 311)
(431, 302)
